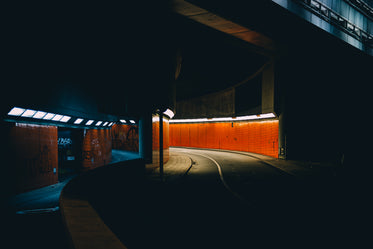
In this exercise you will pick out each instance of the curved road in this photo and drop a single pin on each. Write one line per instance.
(244, 176)
(227, 200)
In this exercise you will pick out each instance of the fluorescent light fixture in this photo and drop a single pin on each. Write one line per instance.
(57, 117)
(315, 4)
(224, 119)
(39, 114)
(123, 121)
(169, 113)
(65, 119)
(16, 111)
(350, 26)
(78, 121)
(49, 116)
(89, 122)
(334, 16)
(105, 123)
(132, 121)
(221, 119)
(111, 123)
(267, 115)
(195, 120)
(324, 10)
(98, 123)
(28, 113)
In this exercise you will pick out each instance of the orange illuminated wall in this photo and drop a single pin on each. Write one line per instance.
(96, 148)
(125, 137)
(166, 143)
(259, 137)
(34, 152)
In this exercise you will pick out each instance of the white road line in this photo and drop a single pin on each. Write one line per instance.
(222, 178)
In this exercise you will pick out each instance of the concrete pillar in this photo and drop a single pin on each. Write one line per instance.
(281, 136)
(161, 145)
(268, 89)
(145, 138)
(282, 114)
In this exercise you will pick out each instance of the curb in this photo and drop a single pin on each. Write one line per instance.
(84, 227)
(174, 175)
(189, 168)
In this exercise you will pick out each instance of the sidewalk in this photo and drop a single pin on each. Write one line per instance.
(177, 166)
(46, 199)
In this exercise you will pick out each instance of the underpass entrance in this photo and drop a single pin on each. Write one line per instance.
(69, 151)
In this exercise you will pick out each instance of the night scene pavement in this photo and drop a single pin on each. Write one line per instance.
(218, 199)
(33, 219)
(230, 200)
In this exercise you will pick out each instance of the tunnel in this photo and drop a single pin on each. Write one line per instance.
(183, 123)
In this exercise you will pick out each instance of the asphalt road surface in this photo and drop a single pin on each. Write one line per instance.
(229, 200)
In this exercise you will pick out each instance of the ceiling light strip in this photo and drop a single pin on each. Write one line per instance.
(225, 119)
(48, 116)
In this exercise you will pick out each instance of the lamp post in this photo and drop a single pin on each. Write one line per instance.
(161, 145)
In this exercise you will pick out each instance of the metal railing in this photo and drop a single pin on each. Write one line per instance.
(362, 6)
(331, 16)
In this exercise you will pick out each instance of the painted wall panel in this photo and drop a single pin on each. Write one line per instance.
(34, 152)
(125, 137)
(258, 137)
(97, 147)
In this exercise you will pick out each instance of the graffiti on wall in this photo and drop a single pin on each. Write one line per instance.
(34, 149)
(40, 164)
(125, 137)
(97, 147)
(64, 141)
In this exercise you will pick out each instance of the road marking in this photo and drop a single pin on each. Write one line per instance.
(222, 178)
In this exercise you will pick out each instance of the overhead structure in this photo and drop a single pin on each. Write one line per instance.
(265, 44)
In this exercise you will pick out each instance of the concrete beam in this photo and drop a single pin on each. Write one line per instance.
(222, 24)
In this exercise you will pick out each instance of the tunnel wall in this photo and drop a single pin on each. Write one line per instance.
(34, 153)
(258, 137)
(125, 137)
(96, 148)
(155, 143)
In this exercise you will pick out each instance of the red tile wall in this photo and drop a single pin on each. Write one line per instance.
(125, 137)
(96, 148)
(35, 155)
(258, 137)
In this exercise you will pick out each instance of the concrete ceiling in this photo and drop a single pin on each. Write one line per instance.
(216, 52)
(224, 25)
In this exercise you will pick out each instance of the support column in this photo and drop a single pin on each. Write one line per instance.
(145, 138)
(282, 136)
(161, 145)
